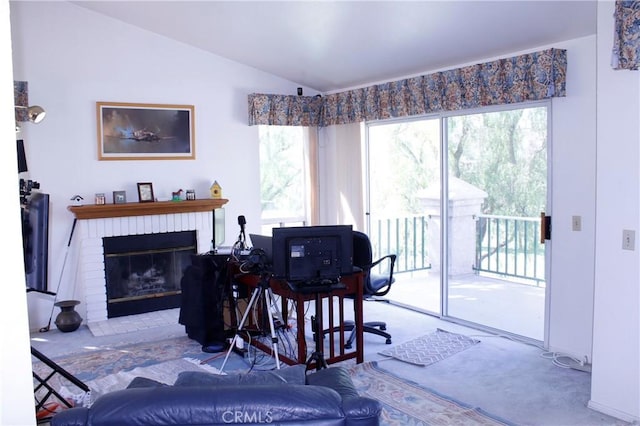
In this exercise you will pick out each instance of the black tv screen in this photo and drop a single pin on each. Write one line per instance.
(35, 240)
(22, 158)
(312, 254)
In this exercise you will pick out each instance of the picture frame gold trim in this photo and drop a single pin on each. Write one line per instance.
(145, 192)
(142, 131)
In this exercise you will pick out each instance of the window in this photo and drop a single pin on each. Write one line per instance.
(284, 176)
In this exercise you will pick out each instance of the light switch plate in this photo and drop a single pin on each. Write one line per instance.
(628, 239)
(576, 223)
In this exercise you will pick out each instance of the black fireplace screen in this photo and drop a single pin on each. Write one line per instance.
(143, 272)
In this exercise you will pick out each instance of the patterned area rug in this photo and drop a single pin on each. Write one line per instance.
(104, 369)
(94, 364)
(431, 348)
(407, 403)
(164, 372)
(404, 402)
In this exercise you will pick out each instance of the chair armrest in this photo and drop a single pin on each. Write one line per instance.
(391, 258)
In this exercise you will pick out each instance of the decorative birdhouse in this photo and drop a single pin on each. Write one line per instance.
(215, 190)
(77, 200)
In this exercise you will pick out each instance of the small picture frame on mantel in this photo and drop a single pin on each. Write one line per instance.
(145, 192)
(119, 197)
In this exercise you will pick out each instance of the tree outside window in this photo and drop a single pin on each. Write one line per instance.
(283, 171)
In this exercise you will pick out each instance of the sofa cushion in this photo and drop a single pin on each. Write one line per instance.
(293, 375)
(336, 378)
(359, 410)
(143, 382)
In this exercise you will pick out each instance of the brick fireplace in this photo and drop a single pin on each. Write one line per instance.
(96, 222)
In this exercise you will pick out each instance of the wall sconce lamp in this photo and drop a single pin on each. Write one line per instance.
(35, 113)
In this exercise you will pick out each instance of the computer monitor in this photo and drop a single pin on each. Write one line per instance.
(312, 254)
(264, 243)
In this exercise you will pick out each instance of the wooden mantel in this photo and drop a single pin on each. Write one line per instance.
(101, 211)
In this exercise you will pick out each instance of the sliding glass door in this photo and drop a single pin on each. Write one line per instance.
(497, 187)
(403, 206)
(485, 263)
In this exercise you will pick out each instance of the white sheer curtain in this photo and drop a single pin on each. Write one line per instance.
(340, 180)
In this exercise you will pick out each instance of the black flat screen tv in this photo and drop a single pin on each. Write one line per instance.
(22, 158)
(312, 254)
(35, 240)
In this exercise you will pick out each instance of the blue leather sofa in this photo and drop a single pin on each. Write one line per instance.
(280, 397)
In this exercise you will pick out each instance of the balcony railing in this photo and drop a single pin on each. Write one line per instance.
(504, 245)
(510, 246)
(406, 237)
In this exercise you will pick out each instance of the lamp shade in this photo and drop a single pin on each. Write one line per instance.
(36, 114)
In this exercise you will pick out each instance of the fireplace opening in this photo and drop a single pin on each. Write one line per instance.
(143, 272)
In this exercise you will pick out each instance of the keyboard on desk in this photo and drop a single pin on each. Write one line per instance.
(322, 286)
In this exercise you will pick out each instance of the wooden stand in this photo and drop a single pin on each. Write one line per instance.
(352, 289)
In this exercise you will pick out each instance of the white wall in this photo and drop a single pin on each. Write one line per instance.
(615, 381)
(16, 385)
(572, 187)
(73, 58)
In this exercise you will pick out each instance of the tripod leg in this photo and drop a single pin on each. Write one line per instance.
(316, 328)
(274, 339)
(317, 357)
(252, 301)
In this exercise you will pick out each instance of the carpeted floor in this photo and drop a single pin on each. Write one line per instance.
(404, 402)
(504, 377)
(407, 403)
(91, 365)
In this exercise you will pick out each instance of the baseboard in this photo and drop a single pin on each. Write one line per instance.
(584, 367)
(604, 409)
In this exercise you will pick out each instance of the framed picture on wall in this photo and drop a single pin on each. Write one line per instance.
(119, 197)
(145, 192)
(129, 131)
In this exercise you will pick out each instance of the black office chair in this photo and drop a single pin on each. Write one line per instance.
(375, 284)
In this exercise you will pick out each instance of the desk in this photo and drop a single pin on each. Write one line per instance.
(352, 290)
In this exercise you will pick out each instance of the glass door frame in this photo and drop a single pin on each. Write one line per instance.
(367, 184)
(444, 204)
(445, 225)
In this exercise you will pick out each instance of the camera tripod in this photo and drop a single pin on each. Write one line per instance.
(317, 357)
(262, 289)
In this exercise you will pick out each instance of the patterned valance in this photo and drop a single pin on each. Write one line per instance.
(527, 77)
(284, 110)
(626, 38)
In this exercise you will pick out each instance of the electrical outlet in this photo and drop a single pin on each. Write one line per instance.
(576, 223)
(628, 239)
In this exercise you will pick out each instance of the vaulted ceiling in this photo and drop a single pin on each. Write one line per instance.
(335, 45)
